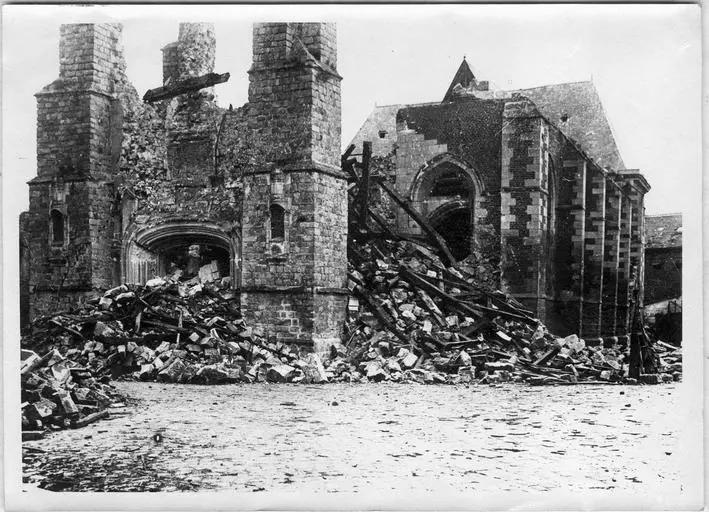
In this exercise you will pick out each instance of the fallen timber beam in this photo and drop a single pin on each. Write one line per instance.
(363, 191)
(376, 309)
(184, 86)
(420, 220)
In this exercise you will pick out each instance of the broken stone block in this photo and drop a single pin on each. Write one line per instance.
(280, 373)
(409, 360)
(491, 367)
(211, 374)
(155, 282)
(313, 370)
(504, 375)
(125, 296)
(164, 346)
(146, 371)
(466, 373)
(40, 410)
(60, 371)
(131, 346)
(101, 330)
(605, 375)
(172, 372)
(393, 366)
(464, 358)
(68, 405)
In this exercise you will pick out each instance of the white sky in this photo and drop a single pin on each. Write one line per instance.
(644, 61)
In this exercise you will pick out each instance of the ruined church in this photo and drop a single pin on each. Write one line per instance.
(128, 189)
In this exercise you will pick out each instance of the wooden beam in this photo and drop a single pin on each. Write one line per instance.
(363, 192)
(184, 86)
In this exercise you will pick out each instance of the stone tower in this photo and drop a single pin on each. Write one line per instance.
(294, 225)
(69, 227)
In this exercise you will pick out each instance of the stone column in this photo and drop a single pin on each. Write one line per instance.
(594, 238)
(524, 204)
(611, 258)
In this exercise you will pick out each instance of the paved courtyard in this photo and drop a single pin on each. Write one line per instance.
(374, 437)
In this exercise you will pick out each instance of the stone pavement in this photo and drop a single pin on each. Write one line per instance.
(385, 437)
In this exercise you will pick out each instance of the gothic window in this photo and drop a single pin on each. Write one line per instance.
(278, 229)
(57, 227)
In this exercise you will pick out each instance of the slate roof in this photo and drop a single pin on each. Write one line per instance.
(663, 231)
(575, 108)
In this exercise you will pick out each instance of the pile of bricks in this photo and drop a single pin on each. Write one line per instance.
(414, 318)
(171, 330)
(59, 393)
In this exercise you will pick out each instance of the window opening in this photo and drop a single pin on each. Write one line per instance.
(278, 228)
(57, 220)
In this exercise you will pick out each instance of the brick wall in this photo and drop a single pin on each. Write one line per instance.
(294, 114)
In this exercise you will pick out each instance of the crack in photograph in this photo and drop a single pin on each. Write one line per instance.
(352, 257)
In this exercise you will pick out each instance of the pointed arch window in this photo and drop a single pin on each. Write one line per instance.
(57, 227)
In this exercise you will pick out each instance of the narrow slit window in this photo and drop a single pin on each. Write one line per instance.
(57, 220)
(278, 228)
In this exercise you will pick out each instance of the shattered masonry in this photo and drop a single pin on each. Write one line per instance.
(531, 178)
(124, 188)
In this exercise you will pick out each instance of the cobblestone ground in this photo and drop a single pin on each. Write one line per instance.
(343, 437)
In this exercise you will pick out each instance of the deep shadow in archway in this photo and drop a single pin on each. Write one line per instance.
(455, 227)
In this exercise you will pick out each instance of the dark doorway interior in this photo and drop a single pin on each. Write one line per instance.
(456, 229)
(177, 256)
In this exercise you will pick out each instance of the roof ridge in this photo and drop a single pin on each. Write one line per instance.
(553, 85)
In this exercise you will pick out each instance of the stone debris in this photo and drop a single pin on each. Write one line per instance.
(168, 330)
(412, 319)
(59, 393)
(421, 320)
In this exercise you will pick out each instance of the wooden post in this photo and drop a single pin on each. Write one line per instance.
(363, 193)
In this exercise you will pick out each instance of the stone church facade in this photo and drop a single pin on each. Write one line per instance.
(531, 179)
(124, 188)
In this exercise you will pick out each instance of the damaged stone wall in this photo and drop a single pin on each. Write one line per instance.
(295, 201)
(79, 124)
(565, 230)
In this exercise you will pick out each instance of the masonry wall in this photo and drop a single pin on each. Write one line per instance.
(294, 114)
(79, 131)
(524, 204)
(469, 133)
(663, 274)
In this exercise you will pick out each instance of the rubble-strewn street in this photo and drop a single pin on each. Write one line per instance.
(373, 437)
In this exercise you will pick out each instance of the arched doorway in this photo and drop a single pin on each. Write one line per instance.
(160, 250)
(446, 191)
(454, 222)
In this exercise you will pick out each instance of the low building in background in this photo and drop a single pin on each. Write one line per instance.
(663, 275)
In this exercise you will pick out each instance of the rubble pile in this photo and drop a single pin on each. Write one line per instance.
(170, 330)
(415, 319)
(59, 393)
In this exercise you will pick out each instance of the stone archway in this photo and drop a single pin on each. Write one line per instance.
(149, 251)
(449, 192)
(454, 221)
